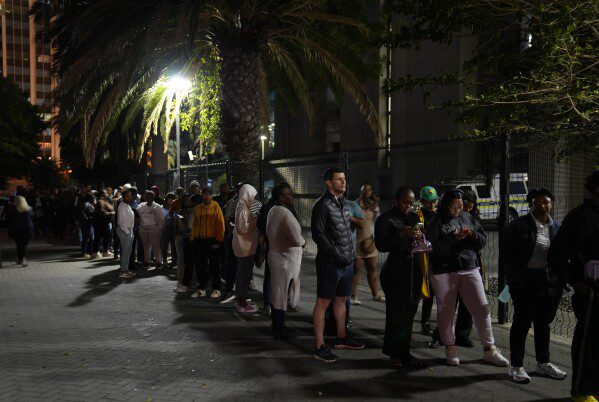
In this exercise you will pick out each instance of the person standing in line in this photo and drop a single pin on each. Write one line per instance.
(221, 199)
(181, 228)
(366, 252)
(223, 195)
(574, 258)
(124, 230)
(207, 236)
(19, 219)
(167, 238)
(535, 291)
(157, 199)
(456, 236)
(151, 222)
(331, 232)
(401, 277)
(284, 255)
(103, 216)
(85, 224)
(426, 213)
(263, 242)
(245, 243)
(194, 188)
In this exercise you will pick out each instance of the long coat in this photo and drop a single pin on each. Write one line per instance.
(284, 255)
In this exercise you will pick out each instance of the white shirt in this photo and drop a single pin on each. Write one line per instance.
(538, 260)
(125, 217)
(150, 216)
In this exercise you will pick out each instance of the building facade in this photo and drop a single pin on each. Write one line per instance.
(26, 60)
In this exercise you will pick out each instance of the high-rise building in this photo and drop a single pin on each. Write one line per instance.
(26, 61)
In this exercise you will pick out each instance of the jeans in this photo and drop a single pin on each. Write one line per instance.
(168, 239)
(85, 228)
(469, 285)
(535, 303)
(245, 268)
(126, 241)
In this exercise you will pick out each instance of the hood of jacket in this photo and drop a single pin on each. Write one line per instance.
(247, 193)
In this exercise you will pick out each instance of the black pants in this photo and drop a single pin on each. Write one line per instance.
(427, 307)
(21, 242)
(207, 262)
(585, 344)
(101, 233)
(86, 234)
(190, 261)
(231, 263)
(536, 302)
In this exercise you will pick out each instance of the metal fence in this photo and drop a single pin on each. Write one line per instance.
(443, 163)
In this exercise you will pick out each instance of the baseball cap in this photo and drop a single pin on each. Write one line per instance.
(429, 193)
(207, 190)
(194, 183)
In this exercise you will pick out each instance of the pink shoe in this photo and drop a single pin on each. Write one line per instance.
(249, 308)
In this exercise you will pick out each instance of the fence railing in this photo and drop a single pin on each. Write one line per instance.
(441, 163)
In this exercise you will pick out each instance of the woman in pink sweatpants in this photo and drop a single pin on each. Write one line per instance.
(456, 237)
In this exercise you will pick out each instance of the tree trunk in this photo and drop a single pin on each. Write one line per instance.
(241, 111)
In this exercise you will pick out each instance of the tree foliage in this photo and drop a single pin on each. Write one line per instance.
(110, 53)
(20, 130)
(534, 69)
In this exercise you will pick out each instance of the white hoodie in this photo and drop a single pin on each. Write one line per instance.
(245, 234)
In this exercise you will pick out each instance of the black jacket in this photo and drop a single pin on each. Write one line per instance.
(519, 240)
(331, 231)
(576, 242)
(450, 254)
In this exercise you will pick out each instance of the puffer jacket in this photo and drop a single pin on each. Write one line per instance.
(331, 232)
(245, 233)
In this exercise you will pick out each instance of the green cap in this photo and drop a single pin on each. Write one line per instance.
(429, 193)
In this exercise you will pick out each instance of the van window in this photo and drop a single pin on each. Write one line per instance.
(517, 187)
(483, 191)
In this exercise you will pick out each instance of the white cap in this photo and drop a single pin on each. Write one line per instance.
(127, 186)
(194, 183)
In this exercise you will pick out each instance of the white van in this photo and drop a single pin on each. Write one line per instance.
(488, 196)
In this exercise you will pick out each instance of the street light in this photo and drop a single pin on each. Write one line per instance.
(263, 139)
(178, 85)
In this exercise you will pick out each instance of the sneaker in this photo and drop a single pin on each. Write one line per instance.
(107, 254)
(266, 311)
(494, 357)
(550, 370)
(292, 308)
(181, 289)
(324, 354)
(198, 293)
(518, 374)
(252, 286)
(348, 343)
(451, 355)
(379, 298)
(24, 262)
(248, 308)
(96, 256)
(86, 256)
(227, 298)
(125, 275)
(215, 294)
(355, 301)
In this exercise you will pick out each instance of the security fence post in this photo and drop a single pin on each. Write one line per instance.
(504, 202)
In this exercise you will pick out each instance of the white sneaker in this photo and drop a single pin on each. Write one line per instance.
(198, 293)
(379, 298)
(550, 370)
(96, 256)
(451, 355)
(518, 374)
(355, 301)
(86, 256)
(107, 254)
(24, 262)
(252, 286)
(215, 294)
(494, 357)
(181, 289)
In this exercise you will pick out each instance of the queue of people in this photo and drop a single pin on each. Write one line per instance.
(433, 253)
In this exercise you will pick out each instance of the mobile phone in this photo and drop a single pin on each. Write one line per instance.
(418, 226)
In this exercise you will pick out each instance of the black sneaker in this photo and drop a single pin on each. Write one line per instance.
(324, 354)
(348, 344)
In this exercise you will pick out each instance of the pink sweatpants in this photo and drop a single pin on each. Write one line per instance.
(470, 287)
(151, 242)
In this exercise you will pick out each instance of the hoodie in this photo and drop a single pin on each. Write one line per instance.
(208, 222)
(245, 234)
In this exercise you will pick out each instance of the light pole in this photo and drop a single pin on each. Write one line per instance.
(263, 139)
(178, 86)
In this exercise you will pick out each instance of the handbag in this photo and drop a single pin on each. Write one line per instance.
(367, 246)
(420, 246)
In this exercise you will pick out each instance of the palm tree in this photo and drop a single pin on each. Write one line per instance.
(109, 53)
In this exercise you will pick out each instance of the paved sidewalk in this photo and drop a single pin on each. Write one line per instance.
(71, 330)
